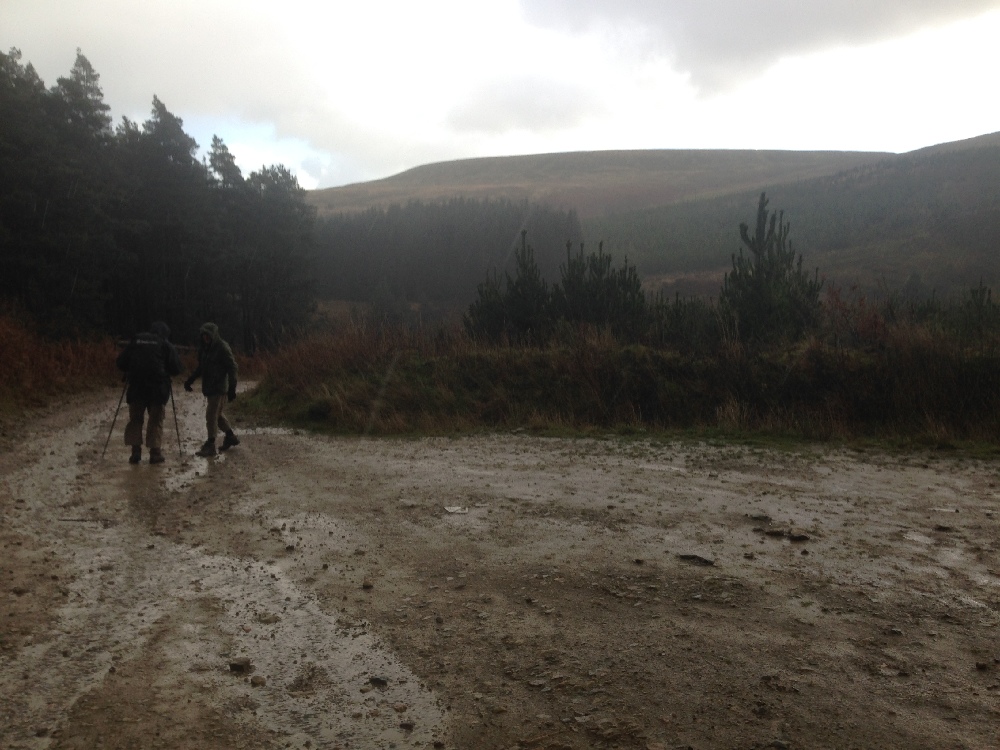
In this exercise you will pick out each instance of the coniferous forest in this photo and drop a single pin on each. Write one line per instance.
(105, 228)
(435, 252)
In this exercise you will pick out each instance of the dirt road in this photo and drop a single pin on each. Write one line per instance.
(492, 592)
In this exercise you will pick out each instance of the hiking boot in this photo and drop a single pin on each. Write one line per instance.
(136, 456)
(229, 441)
(156, 456)
(207, 450)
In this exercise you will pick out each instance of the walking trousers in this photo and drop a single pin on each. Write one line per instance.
(215, 420)
(154, 430)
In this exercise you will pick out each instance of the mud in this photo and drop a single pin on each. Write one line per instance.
(493, 591)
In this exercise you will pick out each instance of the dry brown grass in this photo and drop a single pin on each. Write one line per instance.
(33, 370)
(910, 383)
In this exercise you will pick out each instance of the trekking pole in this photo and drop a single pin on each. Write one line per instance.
(180, 453)
(124, 388)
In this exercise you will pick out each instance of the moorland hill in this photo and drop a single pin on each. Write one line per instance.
(925, 220)
(595, 182)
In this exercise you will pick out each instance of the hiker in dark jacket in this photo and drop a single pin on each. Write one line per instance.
(148, 361)
(217, 370)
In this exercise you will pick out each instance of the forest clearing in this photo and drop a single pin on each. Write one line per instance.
(492, 591)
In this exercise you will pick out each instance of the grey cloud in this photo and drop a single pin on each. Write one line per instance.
(525, 103)
(723, 42)
(210, 59)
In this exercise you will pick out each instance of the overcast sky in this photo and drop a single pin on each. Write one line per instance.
(344, 92)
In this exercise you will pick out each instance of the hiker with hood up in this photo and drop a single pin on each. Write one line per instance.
(148, 361)
(217, 370)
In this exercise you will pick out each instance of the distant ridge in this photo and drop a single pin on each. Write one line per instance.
(979, 141)
(594, 182)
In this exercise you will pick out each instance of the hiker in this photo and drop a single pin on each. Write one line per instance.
(217, 370)
(149, 360)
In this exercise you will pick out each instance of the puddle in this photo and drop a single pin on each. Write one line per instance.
(267, 431)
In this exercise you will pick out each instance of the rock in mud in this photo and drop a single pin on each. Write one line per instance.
(258, 681)
(696, 559)
(378, 681)
(241, 665)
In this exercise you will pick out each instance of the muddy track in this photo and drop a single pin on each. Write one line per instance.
(493, 592)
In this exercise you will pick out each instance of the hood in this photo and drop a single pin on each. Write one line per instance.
(161, 329)
(211, 329)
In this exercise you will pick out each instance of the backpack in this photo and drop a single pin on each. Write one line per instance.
(147, 364)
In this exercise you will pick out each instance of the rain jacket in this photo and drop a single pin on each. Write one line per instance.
(149, 361)
(216, 364)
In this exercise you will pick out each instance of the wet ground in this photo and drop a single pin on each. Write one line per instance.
(491, 592)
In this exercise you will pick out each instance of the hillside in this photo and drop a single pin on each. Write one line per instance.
(924, 220)
(593, 183)
(990, 139)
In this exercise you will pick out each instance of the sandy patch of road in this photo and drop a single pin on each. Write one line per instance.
(578, 593)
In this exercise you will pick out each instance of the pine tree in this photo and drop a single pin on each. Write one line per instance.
(767, 296)
(520, 310)
(593, 292)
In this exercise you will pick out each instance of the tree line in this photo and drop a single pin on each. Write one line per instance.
(766, 297)
(107, 228)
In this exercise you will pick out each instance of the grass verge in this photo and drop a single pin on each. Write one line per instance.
(920, 391)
